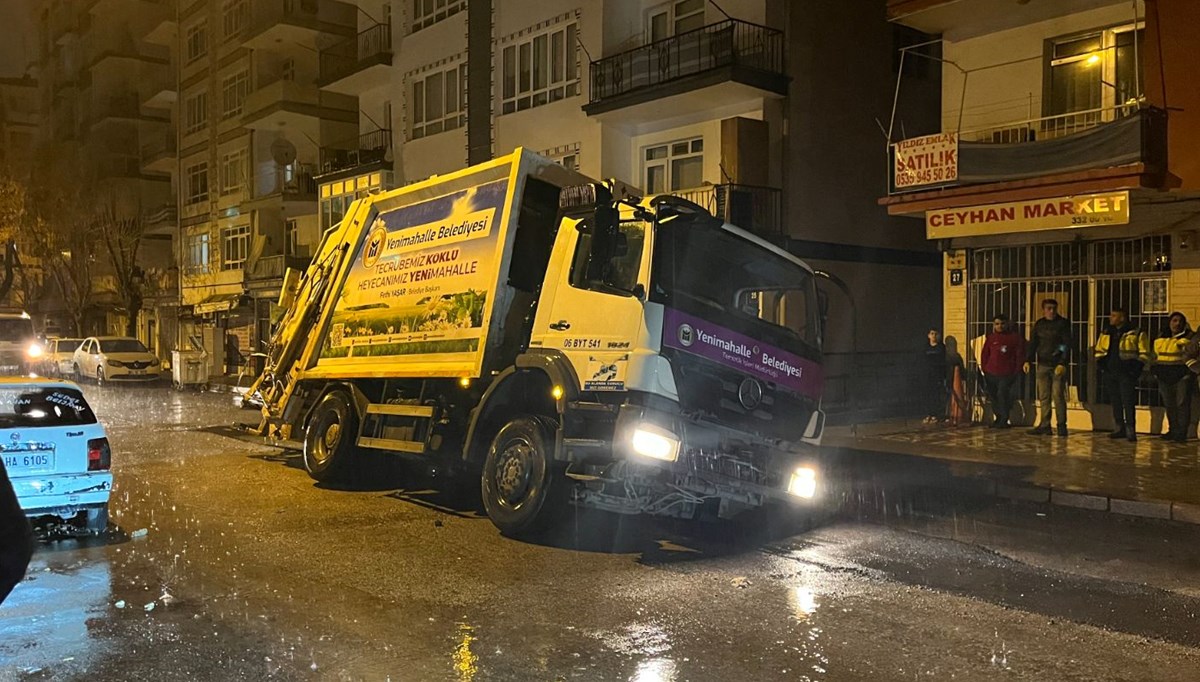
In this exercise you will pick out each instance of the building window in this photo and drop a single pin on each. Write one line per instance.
(235, 245)
(197, 254)
(291, 238)
(566, 156)
(197, 183)
(197, 41)
(235, 13)
(540, 69)
(439, 102)
(195, 115)
(233, 172)
(429, 12)
(233, 94)
(674, 166)
(1094, 72)
(673, 18)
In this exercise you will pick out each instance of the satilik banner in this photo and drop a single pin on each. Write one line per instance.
(420, 279)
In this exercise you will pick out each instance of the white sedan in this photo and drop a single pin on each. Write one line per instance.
(115, 358)
(55, 451)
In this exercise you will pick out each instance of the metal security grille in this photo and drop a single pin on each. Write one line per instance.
(1087, 280)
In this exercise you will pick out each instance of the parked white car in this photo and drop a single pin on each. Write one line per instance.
(55, 451)
(115, 358)
(59, 359)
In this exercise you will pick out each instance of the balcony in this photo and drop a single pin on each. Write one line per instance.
(160, 155)
(954, 18)
(161, 96)
(730, 61)
(1095, 150)
(753, 208)
(285, 105)
(270, 269)
(275, 184)
(123, 107)
(360, 64)
(162, 219)
(298, 24)
(372, 148)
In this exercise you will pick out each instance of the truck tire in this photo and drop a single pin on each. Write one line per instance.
(329, 449)
(524, 489)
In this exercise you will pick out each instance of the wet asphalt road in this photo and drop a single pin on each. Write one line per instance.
(248, 571)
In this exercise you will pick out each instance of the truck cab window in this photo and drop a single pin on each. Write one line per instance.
(618, 274)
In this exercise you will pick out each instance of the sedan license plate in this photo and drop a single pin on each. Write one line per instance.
(28, 462)
(137, 371)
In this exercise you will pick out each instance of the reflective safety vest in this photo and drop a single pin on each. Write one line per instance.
(1134, 345)
(1169, 350)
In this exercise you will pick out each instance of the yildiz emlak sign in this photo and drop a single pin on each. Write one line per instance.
(1084, 210)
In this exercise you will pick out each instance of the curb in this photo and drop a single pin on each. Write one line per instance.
(1167, 511)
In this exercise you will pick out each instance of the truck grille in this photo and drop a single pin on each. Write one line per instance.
(739, 468)
(711, 390)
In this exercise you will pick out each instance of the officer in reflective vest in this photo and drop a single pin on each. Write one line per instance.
(1121, 352)
(1175, 382)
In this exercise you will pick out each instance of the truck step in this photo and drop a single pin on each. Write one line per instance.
(424, 411)
(409, 446)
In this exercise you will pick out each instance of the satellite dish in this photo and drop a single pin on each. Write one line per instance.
(283, 152)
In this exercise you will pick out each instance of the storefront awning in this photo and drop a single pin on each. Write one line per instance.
(216, 304)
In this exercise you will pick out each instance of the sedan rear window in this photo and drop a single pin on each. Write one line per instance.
(122, 346)
(31, 406)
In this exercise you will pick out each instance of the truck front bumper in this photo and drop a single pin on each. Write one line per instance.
(686, 463)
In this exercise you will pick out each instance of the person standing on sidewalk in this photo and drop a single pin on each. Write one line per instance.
(1121, 352)
(1175, 381)
(1001, 361)
(935, 377)
(1050, 348)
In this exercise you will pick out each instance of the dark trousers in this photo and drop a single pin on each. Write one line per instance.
(1002, 390)
(1177, 401)
(1122, 394)
(935, 397)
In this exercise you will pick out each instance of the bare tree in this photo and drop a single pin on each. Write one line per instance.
(120, 226)
(14, 195)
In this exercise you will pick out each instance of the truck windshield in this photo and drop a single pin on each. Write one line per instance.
(719, 275)
(16, 329)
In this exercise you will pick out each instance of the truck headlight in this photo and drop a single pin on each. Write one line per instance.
(803, 483)
(35, 351)
(655, 442)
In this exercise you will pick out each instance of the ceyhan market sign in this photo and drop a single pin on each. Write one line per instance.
(1085, 210)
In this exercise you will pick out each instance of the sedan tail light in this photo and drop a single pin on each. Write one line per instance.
(99, 454)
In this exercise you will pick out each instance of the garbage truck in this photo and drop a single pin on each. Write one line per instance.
(567, 341)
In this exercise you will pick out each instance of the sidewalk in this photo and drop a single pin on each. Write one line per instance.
(1086, 469)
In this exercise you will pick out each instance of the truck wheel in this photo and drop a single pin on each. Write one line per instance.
(523, 488)
(329, 448)
(97, 520)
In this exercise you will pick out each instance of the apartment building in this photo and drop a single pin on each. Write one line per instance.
(101, 85)
(1066, 167)
(252, 122)
(687, 97)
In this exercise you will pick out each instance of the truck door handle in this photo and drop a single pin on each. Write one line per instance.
(560, 326)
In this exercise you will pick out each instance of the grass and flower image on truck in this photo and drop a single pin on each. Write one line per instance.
(379, 329)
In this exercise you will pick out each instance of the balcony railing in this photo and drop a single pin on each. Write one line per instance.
(751, 207)
(273, 267)
(1049, 127)
(729, 43)
(371, 46)
(372, 148)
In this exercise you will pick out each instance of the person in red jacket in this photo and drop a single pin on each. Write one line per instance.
(1001, 361)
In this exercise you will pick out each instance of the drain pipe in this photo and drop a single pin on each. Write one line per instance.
(845, 289)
